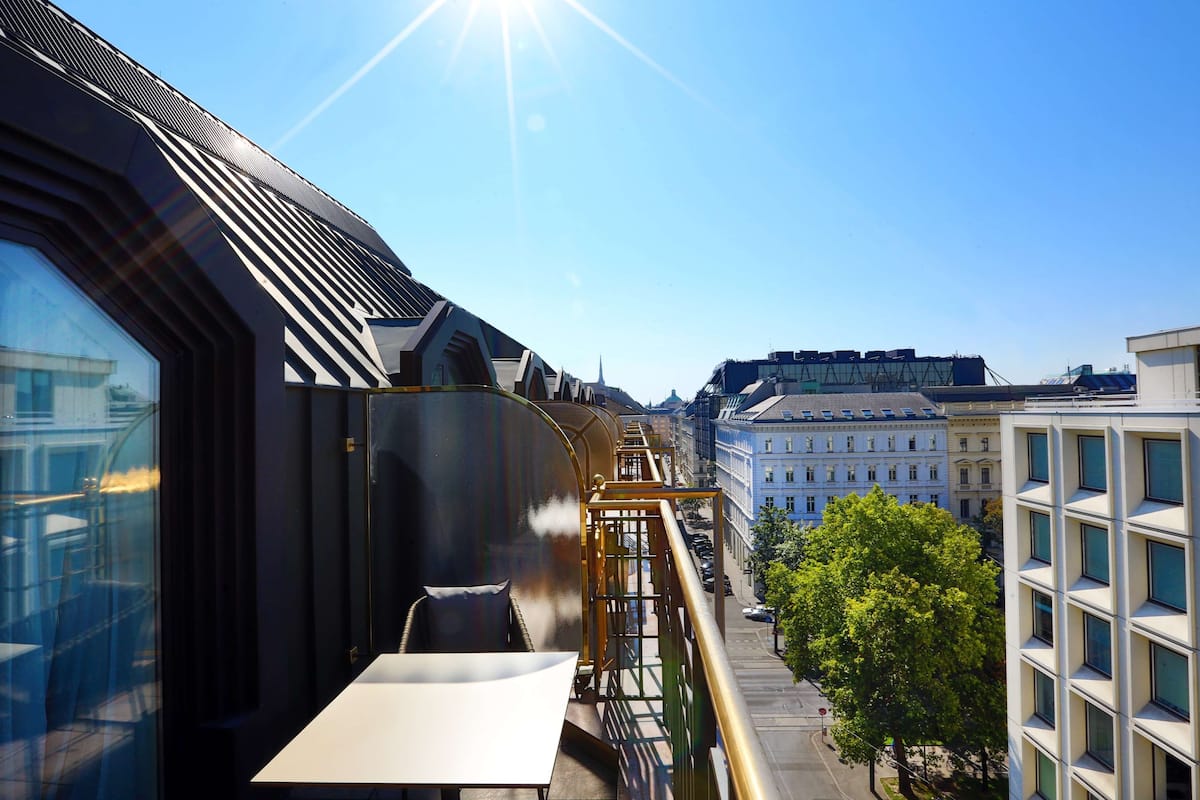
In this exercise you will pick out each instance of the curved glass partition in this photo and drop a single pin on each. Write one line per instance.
(589, 430)
(472, 485)
(79, 530)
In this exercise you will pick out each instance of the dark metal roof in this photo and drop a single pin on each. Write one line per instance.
(38, 27)
(326, 268)
(792, 408)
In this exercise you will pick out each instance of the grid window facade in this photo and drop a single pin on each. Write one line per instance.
(830, 473)
(1092, 471)
(769, 502)
(983, 444)
(851, 473)
(985, 475)
(769, 475)
(1043, 617)
(790, 504)
(1039, 457)
(1164, 470)
(789, 474)
(933, 472)
(1095, 552)
(1168, 581)
(810, 504)
(892, 473)
(1169, 680)
(912, 472)
(962, 444)
(1040, 542)
(810, 474)
(871, 473)
(964, 476)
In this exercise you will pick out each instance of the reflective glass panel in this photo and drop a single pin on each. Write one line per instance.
(1092, 473)
(1097, 644)
(1039, 525)
(1164, 470)
(1043, 617)
(1099, 735)
(1039, 457)
(1168, 583)
(1095, 552)
(1047, 777)
(78, 540)
(1170, 679)
(1043, 696)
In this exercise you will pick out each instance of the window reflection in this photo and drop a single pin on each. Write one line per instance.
(78, 534)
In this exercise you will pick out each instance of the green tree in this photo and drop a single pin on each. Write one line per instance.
(775, 538)
(990, 524)
(893, 610)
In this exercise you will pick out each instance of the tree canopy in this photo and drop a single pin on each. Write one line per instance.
(893, 609)
(776, 539)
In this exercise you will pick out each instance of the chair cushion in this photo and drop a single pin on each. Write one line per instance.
(468, 619)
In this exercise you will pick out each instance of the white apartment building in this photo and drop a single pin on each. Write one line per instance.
(800, 451)
(1101, 586)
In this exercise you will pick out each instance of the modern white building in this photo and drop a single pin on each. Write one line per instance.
(1101, 585)
(800, 451)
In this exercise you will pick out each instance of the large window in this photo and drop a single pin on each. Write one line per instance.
(1099, 734)
(1039, 457)
(790, 504)
(769, 475)
(1097, 644)
(810, 474)
(789, 474)
(871, 473)
(78, 565)
(810, 504)
(1043, 696)
(985, 475)
(1169, 678)
(1095, 552)
(1039, 527)
(767, 445)
(1046, 781)
(1164, 470)
(964, 476)
(1092, 471)
(912, 472)
(1043, 617)
(1168, 579)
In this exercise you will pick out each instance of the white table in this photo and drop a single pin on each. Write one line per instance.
(436, 720)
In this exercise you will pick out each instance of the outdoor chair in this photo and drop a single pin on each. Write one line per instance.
(459, 619)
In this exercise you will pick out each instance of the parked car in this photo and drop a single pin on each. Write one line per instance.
(761, 615)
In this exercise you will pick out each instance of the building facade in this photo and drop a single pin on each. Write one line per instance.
(820, 372)
(799, 452)
(1100, 585)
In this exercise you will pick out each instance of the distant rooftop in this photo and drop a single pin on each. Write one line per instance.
(855, 407)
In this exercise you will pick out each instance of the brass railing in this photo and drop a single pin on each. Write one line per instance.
(654, 633)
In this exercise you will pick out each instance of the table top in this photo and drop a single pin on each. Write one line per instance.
(436, 719)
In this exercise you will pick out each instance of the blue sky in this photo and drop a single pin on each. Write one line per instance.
(674, 183)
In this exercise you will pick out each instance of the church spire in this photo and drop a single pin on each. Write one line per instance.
(600, 380)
